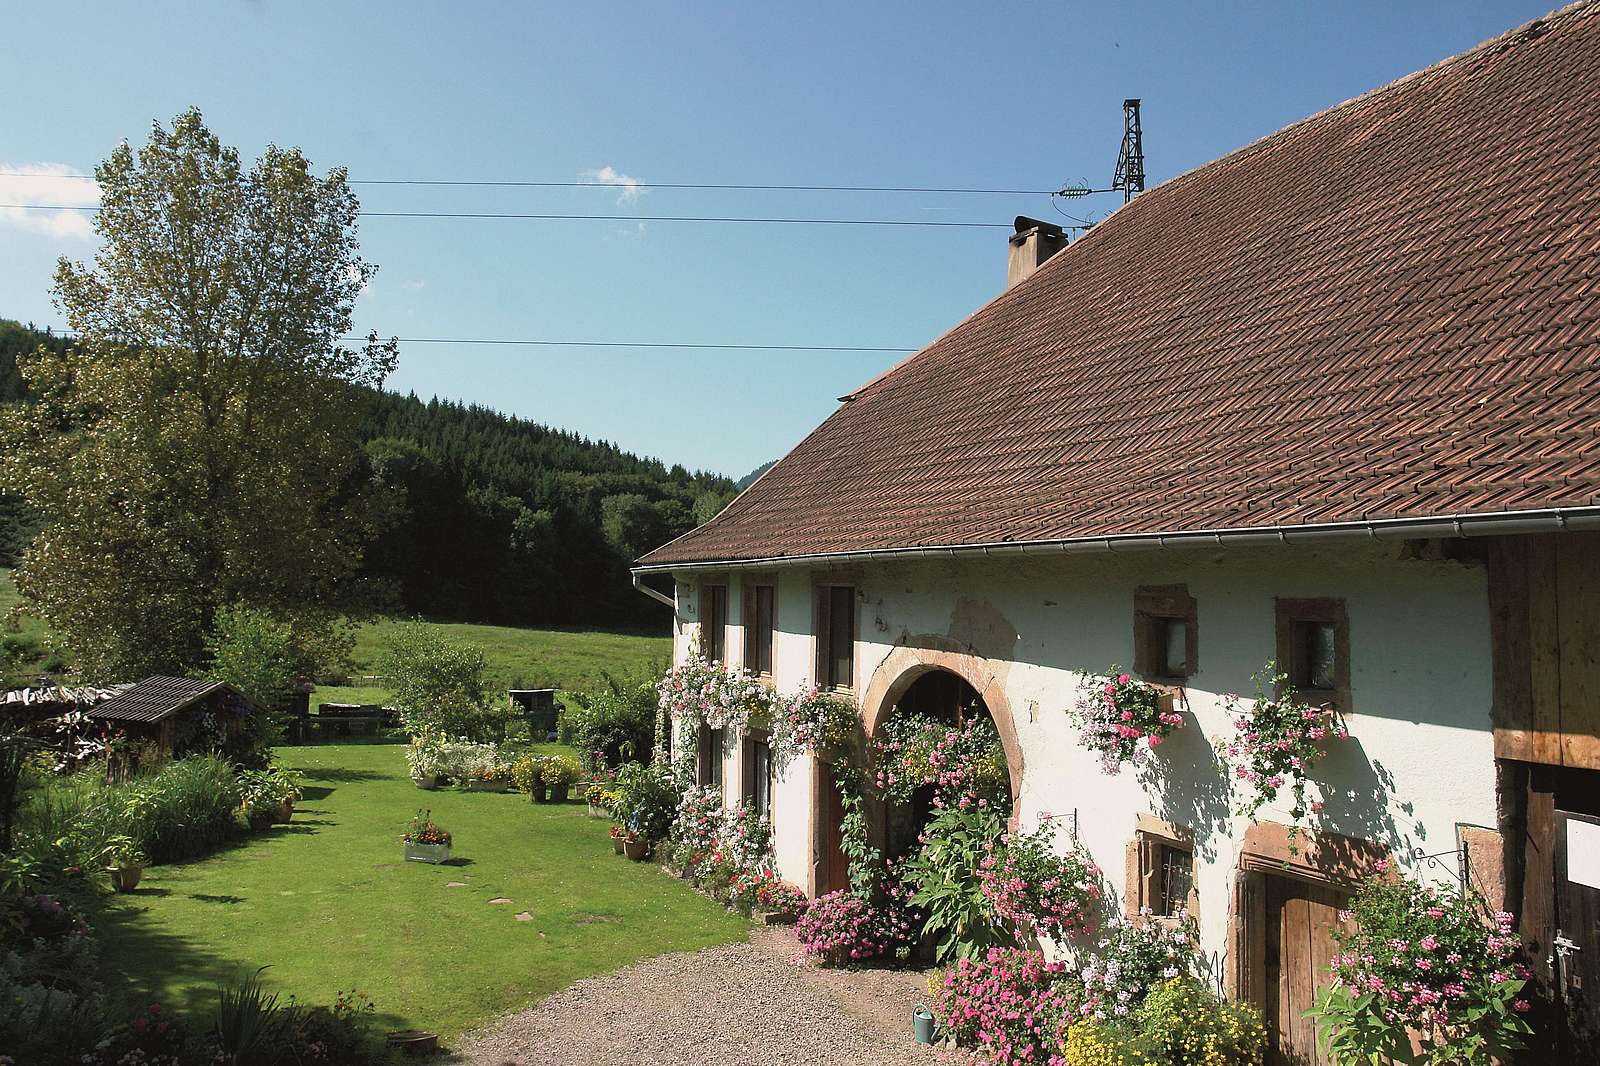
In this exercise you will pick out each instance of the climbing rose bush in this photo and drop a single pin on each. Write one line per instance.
(1121, 718)
(843, 928)
(1277, 741)
(722, 697)
(1425, 961)
(1009, 1005)
(1038, 889)
(811, 721)
(960, 762)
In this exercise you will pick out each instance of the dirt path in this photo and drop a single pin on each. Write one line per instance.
(750, 1004)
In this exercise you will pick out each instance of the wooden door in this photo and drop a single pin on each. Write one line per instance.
(831, 870)
(1577, 940)
(1299, 948)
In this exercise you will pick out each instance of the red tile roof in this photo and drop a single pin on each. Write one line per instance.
(1389, 310)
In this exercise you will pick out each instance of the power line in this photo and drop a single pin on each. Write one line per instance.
(721, 187)
(677, 345)
(557, 217)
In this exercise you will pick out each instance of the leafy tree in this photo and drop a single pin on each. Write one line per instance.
(198, 446)
(708, 504)
(255, 653)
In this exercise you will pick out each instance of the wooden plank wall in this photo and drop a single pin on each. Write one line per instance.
(1544, 600)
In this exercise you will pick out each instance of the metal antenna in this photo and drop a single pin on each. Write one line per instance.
(1130, 161)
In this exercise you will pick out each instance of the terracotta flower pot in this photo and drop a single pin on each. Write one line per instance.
(285, 813)
(635, 849)
(616, 842)
(126, 878)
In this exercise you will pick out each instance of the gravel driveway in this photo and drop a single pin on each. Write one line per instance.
(750, 1004)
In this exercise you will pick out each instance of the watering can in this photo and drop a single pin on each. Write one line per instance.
(922, 1028)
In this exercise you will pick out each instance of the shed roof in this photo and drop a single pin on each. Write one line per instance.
(1389, 311)
(156, 698)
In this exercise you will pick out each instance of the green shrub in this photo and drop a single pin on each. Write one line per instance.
(560, 770)
(438, 684)
(647, 800)
(614, 725)
(945, 878)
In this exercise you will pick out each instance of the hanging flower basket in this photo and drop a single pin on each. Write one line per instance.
(1122, 719)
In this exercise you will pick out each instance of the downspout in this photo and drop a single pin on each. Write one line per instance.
(659, 597)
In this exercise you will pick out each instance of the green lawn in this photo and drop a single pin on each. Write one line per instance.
(27, 635)
(328, 904)
(535, 658)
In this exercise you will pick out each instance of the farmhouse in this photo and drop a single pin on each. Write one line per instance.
(1332, 400)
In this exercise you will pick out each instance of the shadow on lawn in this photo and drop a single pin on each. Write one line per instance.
(342, 774)
(315, 792)
(140, 959)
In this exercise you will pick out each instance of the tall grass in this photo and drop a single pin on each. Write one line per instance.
(185, 809)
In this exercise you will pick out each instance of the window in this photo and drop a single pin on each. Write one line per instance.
(758, 774)
(836, 636)
(1314, 649)
(1161, 870)
(1165, 632)
(759, 623)
(714, 621)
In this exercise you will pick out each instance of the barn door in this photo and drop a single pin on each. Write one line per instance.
(1301, 918)
(1577, 939)
(831, 870)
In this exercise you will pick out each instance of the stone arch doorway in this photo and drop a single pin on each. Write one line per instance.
(948, 686)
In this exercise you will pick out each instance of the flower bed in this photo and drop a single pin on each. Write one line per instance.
(1427, 964)
(843, 928)
(1121, 718)
(1010, 1005)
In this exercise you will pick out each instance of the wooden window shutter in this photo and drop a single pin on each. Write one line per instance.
(748, 623)
(821, 612)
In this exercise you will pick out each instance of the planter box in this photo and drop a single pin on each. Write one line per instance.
(427, 781)
(434, 853)
(597, 812)
(473, 784)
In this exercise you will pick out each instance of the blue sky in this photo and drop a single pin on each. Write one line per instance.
(1024, 96)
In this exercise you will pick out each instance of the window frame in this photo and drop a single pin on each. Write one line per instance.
(1152, 837)
(1154, 607)
(753, 633)
(754, 741)
(711, 751)
(1292, 615)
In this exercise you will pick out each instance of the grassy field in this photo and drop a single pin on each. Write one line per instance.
(536, 658)
(571, 659)
(26, 637)
(328, 904)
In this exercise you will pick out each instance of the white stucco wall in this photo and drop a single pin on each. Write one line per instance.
(1421, 760)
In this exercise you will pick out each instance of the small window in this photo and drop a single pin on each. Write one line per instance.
(1161, 870)
(714, 622)
(836, 636)
(1314, 649)
(1164, 632)
(759, 624)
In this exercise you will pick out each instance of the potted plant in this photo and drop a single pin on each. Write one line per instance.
(125, 863)
(287, 790)
(616, 838)
(527, 774)
(425, 840)
(493, 778)
(634, 846)
(560, 773)
(259, 798)
(425, 758)
(594, 794)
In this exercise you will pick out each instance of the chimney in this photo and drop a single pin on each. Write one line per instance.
(1031, 245)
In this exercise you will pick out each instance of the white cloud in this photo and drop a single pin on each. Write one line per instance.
(43, 185)
(632, 188)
